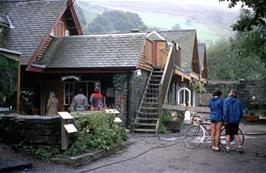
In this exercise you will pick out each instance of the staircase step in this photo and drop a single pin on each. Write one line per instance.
(147, 119)
(153, 89)
(148, 113)
(145, 124)
(145, 130)
(150, 103)
(154, 84)
(156, 76)
(150, 108)
(158, 71)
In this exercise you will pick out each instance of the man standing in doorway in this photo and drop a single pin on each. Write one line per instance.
(233, 113)
(96, 100)
(80, 102)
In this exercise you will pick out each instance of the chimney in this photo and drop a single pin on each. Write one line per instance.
(134, 30)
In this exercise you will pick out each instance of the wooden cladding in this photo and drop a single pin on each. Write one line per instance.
(148, 51)
(155, 52)
(162, 57)
(144, 64)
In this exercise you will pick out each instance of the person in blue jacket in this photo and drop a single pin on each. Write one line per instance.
(216, 117)
(233, 113)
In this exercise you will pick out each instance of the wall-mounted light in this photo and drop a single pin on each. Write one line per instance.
(138, 72)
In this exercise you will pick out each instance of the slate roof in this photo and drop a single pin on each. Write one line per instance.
(185, 40)
(89, 51)
(201, 50)
(3, 21)
(32, 20)
(154, 36)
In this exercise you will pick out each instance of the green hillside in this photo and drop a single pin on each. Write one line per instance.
(211, 24)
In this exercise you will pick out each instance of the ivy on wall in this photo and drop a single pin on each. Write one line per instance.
(8, 82)
(198, 86)
(119, 81)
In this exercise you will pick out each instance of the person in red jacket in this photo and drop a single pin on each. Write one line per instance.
(96, 100)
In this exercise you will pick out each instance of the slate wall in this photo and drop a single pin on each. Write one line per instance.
(129, 88)
(249, 92)
(30, 129)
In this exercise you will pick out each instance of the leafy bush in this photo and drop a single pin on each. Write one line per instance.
(166, 116)
(41, 152)
(96, 131)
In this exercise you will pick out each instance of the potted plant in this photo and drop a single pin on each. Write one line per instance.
(26, 101)
(172, 121)
(261, 114)
(251, 115)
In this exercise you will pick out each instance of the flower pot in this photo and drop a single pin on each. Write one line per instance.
(173, 125)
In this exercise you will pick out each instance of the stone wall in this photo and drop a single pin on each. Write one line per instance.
(249, 92)
(120, 82)
(30, 129)
(137, 84)
(129, 89)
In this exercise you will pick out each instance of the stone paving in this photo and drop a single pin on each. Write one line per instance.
(150, 154)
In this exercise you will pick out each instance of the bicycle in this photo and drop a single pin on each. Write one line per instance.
(200, 133)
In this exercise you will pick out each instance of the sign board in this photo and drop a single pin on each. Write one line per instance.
(70, 77)
(113, 111)
(65, 115)
(70, 128)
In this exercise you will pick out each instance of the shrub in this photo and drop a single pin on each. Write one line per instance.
(96, 131)
(39, 151)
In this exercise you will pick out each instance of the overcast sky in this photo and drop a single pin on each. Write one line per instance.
(215, 3)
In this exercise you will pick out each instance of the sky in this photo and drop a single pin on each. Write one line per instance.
(215, 3)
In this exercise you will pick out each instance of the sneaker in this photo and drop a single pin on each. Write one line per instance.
(213, 148)
(240, 150)
(227, 149)
(216, 149)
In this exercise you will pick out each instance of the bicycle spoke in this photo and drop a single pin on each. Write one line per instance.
(233, 144)
(193, 136)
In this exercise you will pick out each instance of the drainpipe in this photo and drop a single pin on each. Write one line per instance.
(128, 97)
(18, 86)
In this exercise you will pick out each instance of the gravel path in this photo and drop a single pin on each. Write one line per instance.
(151, 154)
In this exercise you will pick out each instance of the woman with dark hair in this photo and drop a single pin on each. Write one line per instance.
(216, 117)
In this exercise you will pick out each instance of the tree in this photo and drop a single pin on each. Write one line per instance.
(251, 37)
(255, 14)
(113, 21)
(176, 27)
(225, 63)
(250, 44)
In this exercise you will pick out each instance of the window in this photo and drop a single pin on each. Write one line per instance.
(183, 96)
(68, 93)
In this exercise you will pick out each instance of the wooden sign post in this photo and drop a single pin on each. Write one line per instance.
(66, 128)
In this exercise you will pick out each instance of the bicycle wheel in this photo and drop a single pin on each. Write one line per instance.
(233, 144)
(194, 136)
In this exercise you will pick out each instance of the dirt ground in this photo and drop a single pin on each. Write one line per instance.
(150, 154)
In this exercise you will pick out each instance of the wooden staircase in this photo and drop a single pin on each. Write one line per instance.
(148, 113)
